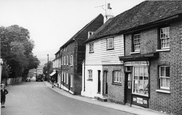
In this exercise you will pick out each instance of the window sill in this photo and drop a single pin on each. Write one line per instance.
(163, 50)
(134, 53)
(163, 91)
(110, 48)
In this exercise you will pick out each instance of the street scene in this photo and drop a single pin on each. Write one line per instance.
(91, 57)
(35, 98)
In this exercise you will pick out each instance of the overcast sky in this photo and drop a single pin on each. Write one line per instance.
(53, 22)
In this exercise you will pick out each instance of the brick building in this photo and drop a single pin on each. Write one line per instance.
(152, 57)
(71, 55)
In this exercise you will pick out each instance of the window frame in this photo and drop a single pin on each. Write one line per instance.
(110, 43)
(71, 60)
(134, 44)
(71, 80)
(163, 77)
(90, 75)
(91, 47)
(116, 80)
(160, 46)
(140, 83)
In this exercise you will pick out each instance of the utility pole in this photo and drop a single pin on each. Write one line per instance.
(48, 65)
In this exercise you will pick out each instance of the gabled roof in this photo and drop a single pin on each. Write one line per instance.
(142, 14)
(100, 16)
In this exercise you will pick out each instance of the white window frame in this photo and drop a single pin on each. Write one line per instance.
(67, 62)
(110, 43)
(136, 42)
(91, 47)
(90, 75)
(117, 76)
(164, 38)
(140, 80)
(163, 78)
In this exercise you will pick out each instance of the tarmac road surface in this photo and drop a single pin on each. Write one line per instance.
(35, 98)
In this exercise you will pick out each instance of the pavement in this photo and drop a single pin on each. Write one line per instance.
(126, 108)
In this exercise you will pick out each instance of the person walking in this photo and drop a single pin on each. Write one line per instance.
(4, 92)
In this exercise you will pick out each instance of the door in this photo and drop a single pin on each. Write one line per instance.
(105, 84)
(99, 82)
(128, 87)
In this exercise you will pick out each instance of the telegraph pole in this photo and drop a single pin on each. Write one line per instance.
(48, 65)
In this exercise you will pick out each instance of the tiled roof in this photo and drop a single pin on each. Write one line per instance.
(142, 14)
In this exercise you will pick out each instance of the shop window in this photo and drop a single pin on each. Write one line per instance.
(140, 80)
(110, 43)
(164, 38)
(91, 47)
(117, 77)
(136, 43)
(164, 77)
(90, 76)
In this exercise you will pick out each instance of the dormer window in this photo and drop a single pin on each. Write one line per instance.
(90, 33)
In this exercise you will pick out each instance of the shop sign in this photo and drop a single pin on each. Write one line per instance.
(140, 101)
(136, 63)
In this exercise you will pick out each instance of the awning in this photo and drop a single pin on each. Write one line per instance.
(139, 57)
(52, 73)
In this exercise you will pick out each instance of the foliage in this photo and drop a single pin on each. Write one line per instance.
(48, 68)
(16, 47)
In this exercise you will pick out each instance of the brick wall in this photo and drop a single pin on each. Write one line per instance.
(172, 102)
(115, 92)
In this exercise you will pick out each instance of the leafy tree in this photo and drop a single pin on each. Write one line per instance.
(48, 68)
(17, 50)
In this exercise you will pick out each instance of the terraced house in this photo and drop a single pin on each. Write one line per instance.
(151, 57)
(70, 57)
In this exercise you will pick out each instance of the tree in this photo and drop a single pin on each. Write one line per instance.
(17, 50)
(48, 68)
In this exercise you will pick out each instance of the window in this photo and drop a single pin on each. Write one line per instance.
(90, 33)
(67, 60)
(117, 76)
(164, 37)
(71, 60)
(90, 75)
(136, 43)
(64, 60)
(140, 80)
(91, 47)
(110, 43)
(71, 81)
(164, 77)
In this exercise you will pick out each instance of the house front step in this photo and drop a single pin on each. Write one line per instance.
(101, 99)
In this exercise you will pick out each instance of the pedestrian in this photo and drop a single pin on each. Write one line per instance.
(52, 80)
(4, 92)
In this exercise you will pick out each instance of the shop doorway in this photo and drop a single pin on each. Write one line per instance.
(128, 87)
(105, 84)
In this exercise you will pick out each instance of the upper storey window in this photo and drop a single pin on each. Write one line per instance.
(164, 37)
(136, 43)
(110, 43)
(91, 47)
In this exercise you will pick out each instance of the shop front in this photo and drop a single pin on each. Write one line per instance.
(137, 79)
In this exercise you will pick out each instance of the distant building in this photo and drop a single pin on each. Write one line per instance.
(71, 55)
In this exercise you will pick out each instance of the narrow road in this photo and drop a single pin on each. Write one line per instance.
(35, 98)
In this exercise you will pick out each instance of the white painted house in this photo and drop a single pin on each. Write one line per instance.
(101, 54)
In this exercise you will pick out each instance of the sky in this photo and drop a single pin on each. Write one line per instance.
(52, 23)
